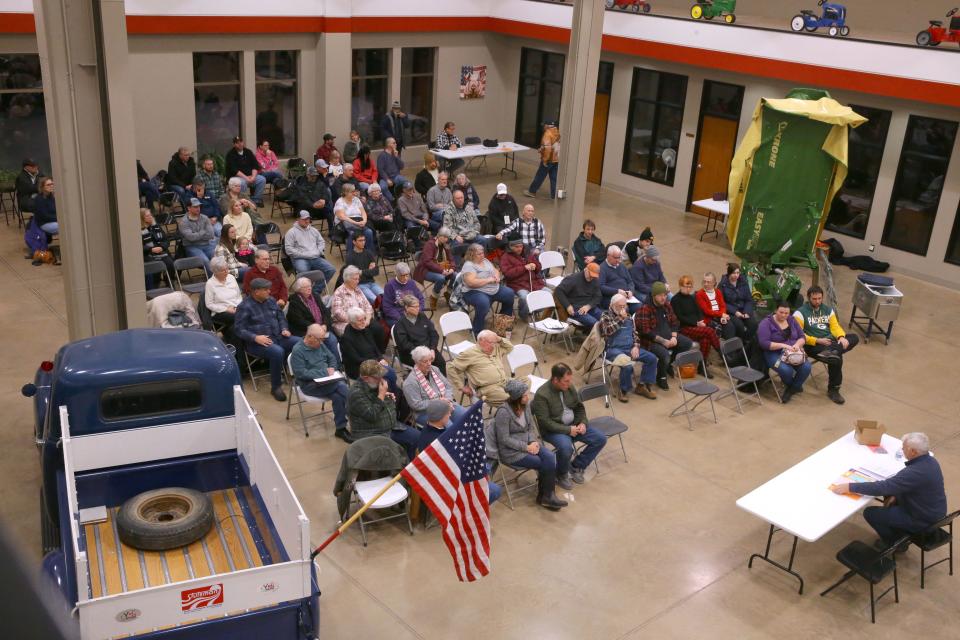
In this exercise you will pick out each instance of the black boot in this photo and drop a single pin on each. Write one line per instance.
(550, 501)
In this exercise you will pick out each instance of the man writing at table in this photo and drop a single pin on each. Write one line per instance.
(915, 497)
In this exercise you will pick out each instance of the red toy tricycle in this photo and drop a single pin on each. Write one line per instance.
(936, 33)
(629, 5)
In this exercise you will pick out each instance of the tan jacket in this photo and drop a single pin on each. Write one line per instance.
(591, 349)
(483, 372)
(550, 146)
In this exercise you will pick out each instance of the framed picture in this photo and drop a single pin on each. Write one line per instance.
(473, 81)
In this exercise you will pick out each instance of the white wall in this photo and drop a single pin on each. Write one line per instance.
(163, 109)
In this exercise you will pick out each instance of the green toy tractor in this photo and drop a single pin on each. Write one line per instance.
(710, 9)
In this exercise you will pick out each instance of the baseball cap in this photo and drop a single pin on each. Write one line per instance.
(237, 139)
(651, 252)
(515, 242)
(194, 202)
(304, 214)
(29, 162)
(259, 283)
(501, 189)
(321, 163)
(329, 136)
(406, 185)
(593, 268)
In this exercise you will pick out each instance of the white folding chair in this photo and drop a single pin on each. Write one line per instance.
(521, 356)
(303, 398)
(365, 490)
(450, 323)
(551, 326)
(552, 260)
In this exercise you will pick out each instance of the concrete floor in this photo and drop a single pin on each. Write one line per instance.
(655, 548)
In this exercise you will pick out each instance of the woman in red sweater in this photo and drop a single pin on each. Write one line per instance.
(364, 169)
(710, 301)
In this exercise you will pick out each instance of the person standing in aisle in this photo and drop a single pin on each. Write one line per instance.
(549, 159)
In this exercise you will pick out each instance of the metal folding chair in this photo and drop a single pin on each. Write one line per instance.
(538, 301)
(739, 375)
(302, 399)
(521, 356)
(454, 322)
(872, 565)
(934, 537)
(608, 425)
(152, 269)
(551, 260)
(699, 389)
(189, 264)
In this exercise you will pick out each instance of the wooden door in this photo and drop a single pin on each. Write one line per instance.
(718, 136)
(598, 138)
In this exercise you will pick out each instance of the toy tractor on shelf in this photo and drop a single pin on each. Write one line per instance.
(636, 6)
(833, 18)
(710, 9)
(936, 33)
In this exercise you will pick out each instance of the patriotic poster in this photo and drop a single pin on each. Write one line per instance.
(473, 81)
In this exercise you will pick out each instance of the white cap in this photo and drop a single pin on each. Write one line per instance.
(501, 189)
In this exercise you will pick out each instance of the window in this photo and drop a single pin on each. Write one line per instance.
(276, 79)
(216, 95)
(653, 125)
(416, 92)
(151, 399)
(722, 100)
(850, 210)
(919, 183)
(23, 122)
(541, 84)
(953, 248)
(371, 82)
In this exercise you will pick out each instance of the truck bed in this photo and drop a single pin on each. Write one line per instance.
(240, 539)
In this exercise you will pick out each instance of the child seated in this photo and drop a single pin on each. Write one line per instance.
(245, 253)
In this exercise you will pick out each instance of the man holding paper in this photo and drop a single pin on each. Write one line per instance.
(311, 361)
(915, 496)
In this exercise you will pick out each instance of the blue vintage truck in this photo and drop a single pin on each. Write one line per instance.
(152, 409)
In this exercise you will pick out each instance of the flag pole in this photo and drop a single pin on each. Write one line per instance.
(346, 525)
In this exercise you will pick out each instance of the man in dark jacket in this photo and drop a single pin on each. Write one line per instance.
(180, 173)
(579, 293)
(261, 325)
(915, 498)
(502, 210)
(366, 260)
(372, 409)
(645, 271)
(393, 126)
(26, 184)
(242, 163)
(659, 331)
(313, 195)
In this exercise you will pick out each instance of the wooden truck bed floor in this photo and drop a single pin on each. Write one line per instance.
(229, 546)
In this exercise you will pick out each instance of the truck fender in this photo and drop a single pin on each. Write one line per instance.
(54, 583)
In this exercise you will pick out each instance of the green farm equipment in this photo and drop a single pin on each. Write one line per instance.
(710, 9)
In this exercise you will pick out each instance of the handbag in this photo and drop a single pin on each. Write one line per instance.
(491, 142)
(502, 323)
(688, 371)
(793, 358)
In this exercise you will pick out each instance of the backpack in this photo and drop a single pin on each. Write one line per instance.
(456, 302)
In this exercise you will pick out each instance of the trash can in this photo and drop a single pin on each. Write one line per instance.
(875, 305)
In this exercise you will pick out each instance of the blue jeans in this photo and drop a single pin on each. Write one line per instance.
(458, 412)
(493, 489)
(387, 189)
(408, 439)
(272, 176)
(481, 302)
(522, 302)
(183, 194)
(438, 280)
(259, 184)
(149, 192)
(790, 376)
(589, 318)
(545, 463)
(202, 251)
(892, 522)
(336, 392)
(276, 354)
(648, 373)
(50, 227)
(563, 443)
(301, 265)
(371, 290)
(544, 170)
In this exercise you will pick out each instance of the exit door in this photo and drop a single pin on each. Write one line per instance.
(601, 111)
(716, 141)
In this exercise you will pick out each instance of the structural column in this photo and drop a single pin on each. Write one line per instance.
(84, 59)
(576, 117)
(334, 66)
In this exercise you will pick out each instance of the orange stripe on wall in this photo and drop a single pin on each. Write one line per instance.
(903, 88)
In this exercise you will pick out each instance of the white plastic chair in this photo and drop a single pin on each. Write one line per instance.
(303, 398)
(365, 490)
(521, 356)
(551, 260)
(450, 323)
(551, 326)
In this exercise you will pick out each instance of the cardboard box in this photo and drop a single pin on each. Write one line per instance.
(869, 432)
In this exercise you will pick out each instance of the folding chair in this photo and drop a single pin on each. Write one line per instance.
(608, 425)
(9, 193)
(316, 276)
(551, 260)
(450, 323)
(397, 495)
(398, 365)
(550, 326)
(189, 264)
(155, 268)
(392, 249)
(272, 239)
(872, 565)
(700, 389)
(169, 208)
(207, 322)
(302, 399)
(521, 356)
(279, 206)
(250, 360)
(501, 469)
(934, 537)
(739, 375)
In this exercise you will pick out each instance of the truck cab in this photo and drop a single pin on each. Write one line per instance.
(142, 409)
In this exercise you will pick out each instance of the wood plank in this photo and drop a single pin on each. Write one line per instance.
(217, 553)
(154, 565)
(131, 563)
(111, 561)
(263, 525)
(229, 528)
(244, 528)
(96, 583)
(177, 565)
(201, 568)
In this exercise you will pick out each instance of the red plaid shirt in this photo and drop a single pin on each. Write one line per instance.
(647, 318)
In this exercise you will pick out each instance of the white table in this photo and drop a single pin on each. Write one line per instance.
(800, 502)
(717, 211)
(470, 152)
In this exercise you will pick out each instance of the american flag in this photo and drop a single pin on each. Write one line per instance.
(451, 477)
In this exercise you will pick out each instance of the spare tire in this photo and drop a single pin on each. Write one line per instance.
(164, 518)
